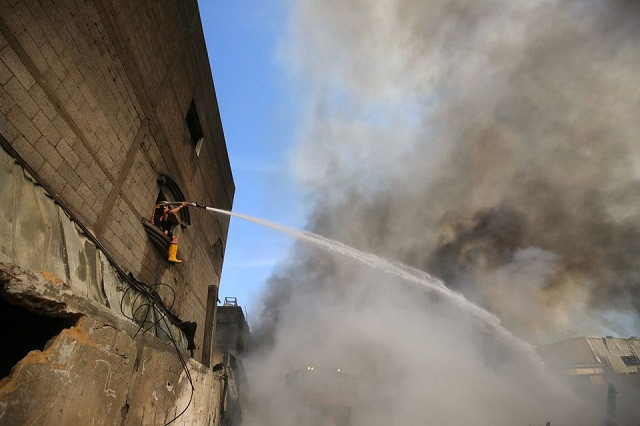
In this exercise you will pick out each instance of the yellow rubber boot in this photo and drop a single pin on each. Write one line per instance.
(173, 251)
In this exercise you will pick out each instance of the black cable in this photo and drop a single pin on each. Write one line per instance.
(187, 373)
(156, 304)
(133, 283)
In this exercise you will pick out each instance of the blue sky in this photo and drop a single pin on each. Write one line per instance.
(258, 107)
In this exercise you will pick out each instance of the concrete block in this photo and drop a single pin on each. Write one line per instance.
(68, 154)
(48, 151)
(11, 19)
(5, 74)
(69, 175)
(63, 128)
(8, 130)
(24, 125)
(26, 151)
(43, 101)
(51, 176)
(35, 55)
(24, 14)
(72, 198)
(11, 60)
(42, 19)
(53, 60)
(6, 101)
(85, 192)
(20, 95)
(46, 127)
(58, 45)
(97, 172)
(61, 92)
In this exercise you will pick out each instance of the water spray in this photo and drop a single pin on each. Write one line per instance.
(398, 269)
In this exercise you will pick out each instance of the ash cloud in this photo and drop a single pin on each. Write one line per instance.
(492, 143)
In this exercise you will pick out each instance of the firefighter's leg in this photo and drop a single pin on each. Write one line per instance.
(173, 250)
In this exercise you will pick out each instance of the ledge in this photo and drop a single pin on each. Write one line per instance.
(157, 237)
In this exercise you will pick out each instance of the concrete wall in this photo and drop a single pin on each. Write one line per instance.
(96, 372)
(93, 96)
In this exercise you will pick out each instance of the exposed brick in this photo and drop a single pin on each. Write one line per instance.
(18, 69)
(21, 97)
(24, 125)
(49, 152)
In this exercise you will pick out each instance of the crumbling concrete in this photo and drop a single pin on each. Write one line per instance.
(95, 372)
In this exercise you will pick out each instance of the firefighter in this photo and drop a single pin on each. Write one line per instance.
(164, 219)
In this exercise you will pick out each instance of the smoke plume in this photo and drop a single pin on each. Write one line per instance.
(492, 143)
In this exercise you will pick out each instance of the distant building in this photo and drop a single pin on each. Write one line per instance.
(233, 340)
(233, 335)
(107, 107)
(603, 371)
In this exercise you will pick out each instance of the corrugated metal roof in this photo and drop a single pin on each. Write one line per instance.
(610, 350)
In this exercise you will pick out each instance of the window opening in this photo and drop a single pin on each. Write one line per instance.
(165, 218)
(630, 360)
(24, 331)
(195, 129)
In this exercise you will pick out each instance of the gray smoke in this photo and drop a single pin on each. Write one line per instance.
(454, 135)
(492, 143)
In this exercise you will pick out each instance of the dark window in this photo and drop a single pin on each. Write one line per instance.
(630, 360)
(195, 129)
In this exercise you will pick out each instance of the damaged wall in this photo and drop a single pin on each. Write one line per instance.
(97, 369)
(39, 236)
(94, 96)
(94, 104)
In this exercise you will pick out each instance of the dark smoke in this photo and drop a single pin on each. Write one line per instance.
(492, 143)
(453, 135)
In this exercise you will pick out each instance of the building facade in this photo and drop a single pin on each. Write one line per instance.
(106, 108)
(604, 371)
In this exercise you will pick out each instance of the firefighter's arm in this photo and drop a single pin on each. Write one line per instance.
(177, 209)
